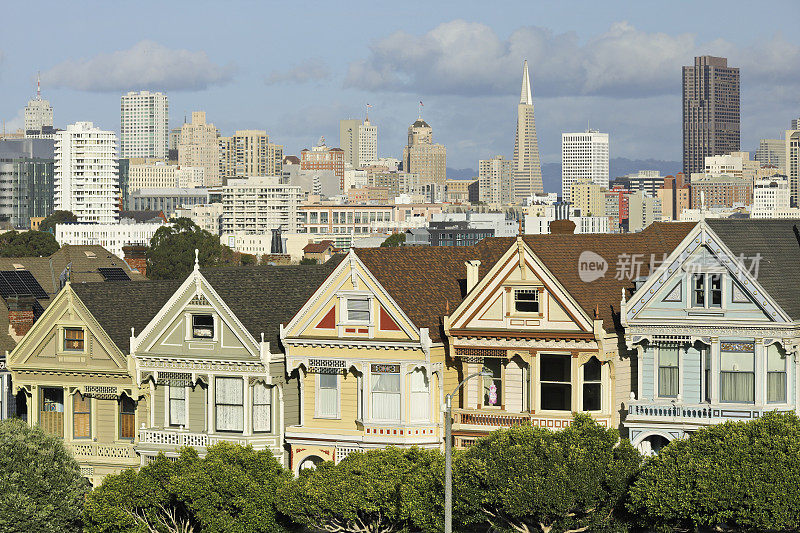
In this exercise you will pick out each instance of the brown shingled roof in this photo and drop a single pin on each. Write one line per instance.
(429, 282)
(317, 247)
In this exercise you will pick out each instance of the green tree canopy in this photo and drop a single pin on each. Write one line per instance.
(58, 217)
(395, 239)
(382, 490)
(532, 479)
(231, 490)
(171, 252)
(739, 476)
(27, 244)
(41, 488)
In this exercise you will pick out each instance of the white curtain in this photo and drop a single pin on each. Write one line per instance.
(420, 397)
(668, 372)
(262, 408)
(386, 397)
(776, 375)
(177, 405)
(737, 377)
(230, 404)
(328, 403)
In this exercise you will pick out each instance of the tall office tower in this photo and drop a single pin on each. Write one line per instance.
(772, 152)
(359, 141)
(583, 155)
(144, 125)
(495, 183)
(249, 153)
(527, 166)
(38, 112)
(792, 164)
(86, 176)
(425, 159)
(710, 111)
(199, 147)
(26, 173)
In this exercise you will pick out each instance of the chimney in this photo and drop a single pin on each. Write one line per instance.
(136, 257)
(562, 227)
(472, 274)
(20, 316)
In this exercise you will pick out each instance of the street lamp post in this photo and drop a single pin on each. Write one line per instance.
(448, 452)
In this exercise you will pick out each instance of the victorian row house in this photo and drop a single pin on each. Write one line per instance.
(656, 333)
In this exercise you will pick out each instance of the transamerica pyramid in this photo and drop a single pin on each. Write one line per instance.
(527, 170)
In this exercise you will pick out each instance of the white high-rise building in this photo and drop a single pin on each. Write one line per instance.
(359, 141)
(583, 155)
(770, 197)
(259, 205)
(86, 172)
(527, 169)
(38, 112)
(496, 184)
(144, 125)
(159, 175)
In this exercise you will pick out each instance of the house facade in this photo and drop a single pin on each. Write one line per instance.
(547, 335)
(716, 331)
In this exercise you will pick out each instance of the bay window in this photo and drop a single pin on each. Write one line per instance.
(592, 373)
(262, 408)
(556, 382)
(776, 375)
(229, 403)
(668, 372)
(385, 395)
(493, 386)
(177, 405)
(420, 396)
(328, 396)
(737, 377)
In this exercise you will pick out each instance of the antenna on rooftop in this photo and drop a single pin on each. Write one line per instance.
(38, 86)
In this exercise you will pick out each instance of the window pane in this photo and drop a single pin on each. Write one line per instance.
(737, 387)
(715, 298)
(556, 368)
(81, 416)
(420, 410)
(737, 362)
(127, 417)
(229, 391)
(52, 416)
(591, 370)
(556, 397)
(386, 383)
(668, 357)
(668, 381)
(229, 394)
(591, 397)
(699, 291)
(328, 381)
(493, 386)
(203, 326)
(526, 300)
(776, 387)
(328, 400)
(358, 310)
(262, 408)
(775, 362)
(73, 339)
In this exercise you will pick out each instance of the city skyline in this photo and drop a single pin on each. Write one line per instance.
(578, 74)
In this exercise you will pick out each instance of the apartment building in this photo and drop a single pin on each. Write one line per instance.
(159, 175)
(199, 147)
(249, 153)
(144, 125)
(322, 157)
(260, 204)
(496, 181)
(583, 155)
(711, 191)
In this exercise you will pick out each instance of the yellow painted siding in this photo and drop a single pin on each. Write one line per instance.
(514, 387)
(348, 404)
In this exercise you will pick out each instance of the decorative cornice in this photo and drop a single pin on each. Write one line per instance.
(518, 334)
(526, 344)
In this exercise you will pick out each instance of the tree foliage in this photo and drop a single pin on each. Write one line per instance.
(232, 489)
(27, 244)
(384, 490)
(738, 475)
(41, 488)
(531, 479)
(395, 239)
(171, 252)
(58, 217)
(308, 261)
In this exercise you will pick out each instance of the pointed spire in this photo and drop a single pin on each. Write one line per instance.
(525, 96)
(196, 259)
(38, 86)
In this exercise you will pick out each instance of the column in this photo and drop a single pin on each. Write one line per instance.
(210, 405)
(760, 368)
(715, 362)
(247, 407)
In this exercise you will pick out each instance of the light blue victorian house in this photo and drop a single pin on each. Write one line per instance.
(715, 329)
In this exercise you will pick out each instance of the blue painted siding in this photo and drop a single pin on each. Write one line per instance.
(692, 367)
(647, 372)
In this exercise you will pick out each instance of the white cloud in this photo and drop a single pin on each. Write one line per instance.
(308, 71)
(146, 65)
(470, 59)
(16, 123)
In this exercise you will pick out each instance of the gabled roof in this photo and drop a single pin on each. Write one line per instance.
(261, 297)
(317, 247)
(122, 305)
(429, 282)
(776, 245)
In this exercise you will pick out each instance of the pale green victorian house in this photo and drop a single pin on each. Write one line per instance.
(123, 371)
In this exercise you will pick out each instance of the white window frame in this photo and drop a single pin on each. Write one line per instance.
(414, 393)
(346, 314)
(168, 407)
(217, 405)
(253, 407)
(213, 336)
(401, 396)
(657, 361)
(317, 392)
(533, 290)
(785, 372)
(707, 276)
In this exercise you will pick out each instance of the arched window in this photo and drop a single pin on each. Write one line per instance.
(592, 388)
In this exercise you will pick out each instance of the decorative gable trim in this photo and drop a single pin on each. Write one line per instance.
(676, 294)
(328, 321)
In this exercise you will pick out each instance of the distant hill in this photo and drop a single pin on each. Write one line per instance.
(461, 173)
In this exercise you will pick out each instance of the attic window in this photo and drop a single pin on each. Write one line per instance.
(526, 300)
(202, 326)
(17, 266)
(90, 255)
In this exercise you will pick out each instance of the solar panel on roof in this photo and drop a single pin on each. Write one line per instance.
(20, 283)
(5, 288)
(30, 282)
(113, 274)
(37, 309)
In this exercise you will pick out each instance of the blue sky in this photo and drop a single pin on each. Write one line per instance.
(296, 68)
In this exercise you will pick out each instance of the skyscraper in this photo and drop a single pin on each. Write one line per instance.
(527, 166)
(425, 159)
(249, 153)
(38, 112)
(495, 181)
(144, 125)
(792, 165)
(710, 111)
(359, 140)
(199, 147)
(772, 152)
(86, 179)
(583, 155)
